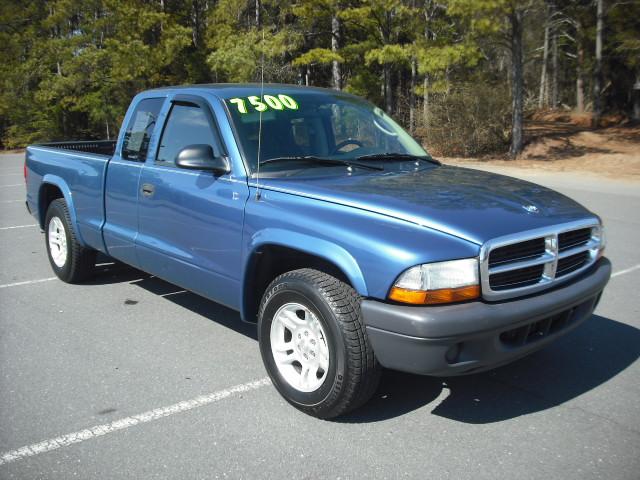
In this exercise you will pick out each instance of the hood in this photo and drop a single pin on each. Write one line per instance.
(469, 204)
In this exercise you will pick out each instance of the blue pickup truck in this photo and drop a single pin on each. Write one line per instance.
(312, 213)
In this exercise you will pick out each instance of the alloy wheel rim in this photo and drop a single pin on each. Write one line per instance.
(57, 242)
(299, 347)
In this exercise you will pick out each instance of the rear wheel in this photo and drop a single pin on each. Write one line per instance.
(314, 345)
(70, 261)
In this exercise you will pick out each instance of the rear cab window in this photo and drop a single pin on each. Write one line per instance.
(140, 128)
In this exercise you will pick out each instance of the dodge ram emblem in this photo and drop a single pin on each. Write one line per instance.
(531, 208)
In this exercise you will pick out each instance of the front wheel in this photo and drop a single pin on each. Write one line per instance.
(70, 261)
(314, 344)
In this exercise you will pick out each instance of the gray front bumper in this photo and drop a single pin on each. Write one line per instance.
(475, 336)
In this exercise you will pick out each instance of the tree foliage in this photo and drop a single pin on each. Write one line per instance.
(70, 67)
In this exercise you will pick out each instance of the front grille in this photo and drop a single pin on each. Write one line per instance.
(522, 264)
(516, 278)
(572, 263)
(517, 251)
(574, 238)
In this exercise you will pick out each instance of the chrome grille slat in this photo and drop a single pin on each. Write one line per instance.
(582, 248)
(574, 238)
(515, 278)
(506, 267)
(529, 248)
(515, 265)
(568, 264)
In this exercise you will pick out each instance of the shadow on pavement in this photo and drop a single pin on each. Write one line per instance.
(116, 272)
(206, 308)
(582, 360)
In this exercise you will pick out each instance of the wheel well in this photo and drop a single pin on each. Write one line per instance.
(48, 193)
(268, 262)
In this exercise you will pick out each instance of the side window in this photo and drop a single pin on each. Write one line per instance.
(187, 125)
(140, 128)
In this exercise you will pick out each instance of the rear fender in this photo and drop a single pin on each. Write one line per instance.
(68, 198)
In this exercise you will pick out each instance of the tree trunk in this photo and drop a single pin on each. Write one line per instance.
(257, 13)
(336, 76)
(412, 96)
(425, 100)
(635, 115)
(554, 76)
(388, 100)
(425, 84)
(195, 23)
(542, 98)
(597, 77)
(517, 83)
(579, 68)
(580, 93)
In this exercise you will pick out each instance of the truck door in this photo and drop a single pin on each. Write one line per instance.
(123, 175)
(190, 221)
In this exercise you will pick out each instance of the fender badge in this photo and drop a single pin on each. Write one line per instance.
(531, 208)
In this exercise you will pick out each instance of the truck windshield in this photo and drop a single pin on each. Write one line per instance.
(315, 125)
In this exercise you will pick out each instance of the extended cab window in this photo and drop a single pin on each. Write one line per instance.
(187, 125)
(140, 128)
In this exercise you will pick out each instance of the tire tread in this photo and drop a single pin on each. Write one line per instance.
(82, 259)
(344, 301)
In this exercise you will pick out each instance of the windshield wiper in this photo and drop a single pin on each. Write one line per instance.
(398, 156)
(319, 161)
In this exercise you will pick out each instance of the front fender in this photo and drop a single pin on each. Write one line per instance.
(370, 249)
(329, 251)
(58, 182)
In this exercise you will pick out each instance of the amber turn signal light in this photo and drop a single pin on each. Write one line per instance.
(434, 297)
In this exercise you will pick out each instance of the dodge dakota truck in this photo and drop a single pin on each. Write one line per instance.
(313, 214)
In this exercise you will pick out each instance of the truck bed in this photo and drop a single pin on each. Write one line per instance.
(96, 147)
(75, 170)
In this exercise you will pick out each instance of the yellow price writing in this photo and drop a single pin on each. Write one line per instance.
(279, 102)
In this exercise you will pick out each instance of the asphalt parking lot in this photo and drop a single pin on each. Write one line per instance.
(130, 377)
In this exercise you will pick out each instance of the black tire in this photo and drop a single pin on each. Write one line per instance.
(354, 373)
(80, 261)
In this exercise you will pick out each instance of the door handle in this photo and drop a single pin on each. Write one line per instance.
(147, 189)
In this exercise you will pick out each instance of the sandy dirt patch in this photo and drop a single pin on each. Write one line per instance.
(559, 146)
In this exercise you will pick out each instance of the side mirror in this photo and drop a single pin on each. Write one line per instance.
(201, 157)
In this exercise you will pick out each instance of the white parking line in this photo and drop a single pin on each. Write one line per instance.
(149, 416)
(626, 270)
(12, 201)
(27, 282)
(18, 226)
(13, 185)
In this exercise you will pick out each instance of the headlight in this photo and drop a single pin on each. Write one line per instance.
(441, 282)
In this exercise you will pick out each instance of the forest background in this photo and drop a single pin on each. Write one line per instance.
(461, 75)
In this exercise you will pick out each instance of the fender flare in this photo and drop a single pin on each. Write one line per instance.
(58, 182)
(314, 246)
(329, 251)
